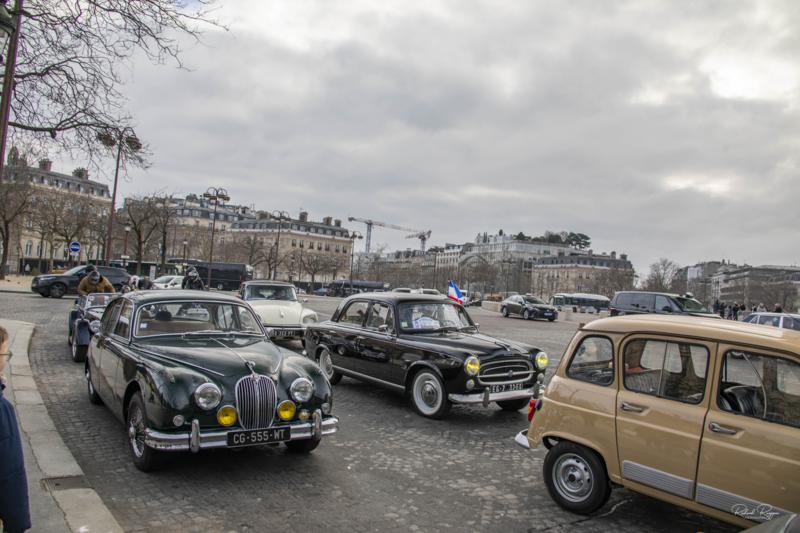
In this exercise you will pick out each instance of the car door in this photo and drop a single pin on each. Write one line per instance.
(661, 407)
(750, 452)
(348, 333)
(113, 353)
(99, 347)
(378, 344)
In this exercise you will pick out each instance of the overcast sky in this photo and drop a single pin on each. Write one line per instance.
(659, 128)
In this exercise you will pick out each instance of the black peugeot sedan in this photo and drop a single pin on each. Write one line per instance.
(57, 285)
(426, 346)
(528, 307)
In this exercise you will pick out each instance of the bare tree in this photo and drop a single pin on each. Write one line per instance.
(315, 263)
(662, 276)
(166, 215)
(141, 214)
(15, 201)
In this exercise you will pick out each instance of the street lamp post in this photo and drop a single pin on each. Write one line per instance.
(110, 139)
(216, 194)
(185, 244)
(281, 216)
(125, 256)
(353, 236)
(9, 28)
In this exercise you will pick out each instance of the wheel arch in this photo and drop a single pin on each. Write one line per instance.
(132, 388)
(416, 368)
(552, 439)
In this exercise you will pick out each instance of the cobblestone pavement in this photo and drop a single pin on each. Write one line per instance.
(386, 470)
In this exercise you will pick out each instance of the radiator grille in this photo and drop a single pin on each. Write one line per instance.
(505, 371)
(255, 401)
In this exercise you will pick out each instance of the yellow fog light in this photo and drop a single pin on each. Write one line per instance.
(542, 360)
(472, 365)
(226, 416)
(286, 410)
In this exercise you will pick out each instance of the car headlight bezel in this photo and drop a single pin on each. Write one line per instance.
(207, 396)
(472, 365)
(310, 319)
(541, 360)
(301, 390)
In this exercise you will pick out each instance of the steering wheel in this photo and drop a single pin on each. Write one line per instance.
(731, 394)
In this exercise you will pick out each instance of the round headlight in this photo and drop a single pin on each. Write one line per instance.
(310, 319)
(226, 416)
(286, 409)
(472, 365)
(207, 396)
(302, 390)
(542, 360)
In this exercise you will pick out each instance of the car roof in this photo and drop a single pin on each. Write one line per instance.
(770, 313)
(268, 282)
(179, 295)
(709, 328)
(397, 297)
(671, 294)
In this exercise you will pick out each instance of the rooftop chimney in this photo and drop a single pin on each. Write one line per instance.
(337, 223)
(613, 255)
(624, 257)
(46, 164)
(303, 216)
(327, 221)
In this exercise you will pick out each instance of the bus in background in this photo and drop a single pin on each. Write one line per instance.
(345, 287)
(224, 276)
(580, 302)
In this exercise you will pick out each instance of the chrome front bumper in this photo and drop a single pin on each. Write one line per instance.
(487, 397)
(197, 440)
(522, 439)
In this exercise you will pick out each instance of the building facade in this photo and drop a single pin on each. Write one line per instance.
(588, 273)
(753, 285)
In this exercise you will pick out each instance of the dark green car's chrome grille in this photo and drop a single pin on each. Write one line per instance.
(255, 401)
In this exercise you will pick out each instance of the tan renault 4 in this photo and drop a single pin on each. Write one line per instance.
(698, 412)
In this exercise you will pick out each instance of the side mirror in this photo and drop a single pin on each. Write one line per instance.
(94, 326)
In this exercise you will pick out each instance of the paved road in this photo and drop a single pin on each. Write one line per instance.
(387, 470)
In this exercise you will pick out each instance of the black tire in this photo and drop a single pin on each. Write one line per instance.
(526, 315)
(79, 352)
(44, 294)
(551, 319)
(513, 405)
(576, 478)
(428, 395)
(144, 458)
(94, 398)
(302, 446)
(325, 362)
(504, 311)
(57, 290)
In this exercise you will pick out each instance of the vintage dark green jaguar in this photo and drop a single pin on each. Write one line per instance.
(191, 370)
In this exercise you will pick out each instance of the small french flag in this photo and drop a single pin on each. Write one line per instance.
(454, 293)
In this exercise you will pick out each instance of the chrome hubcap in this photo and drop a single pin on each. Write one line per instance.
(427, 394)
(326, 363)
(136, 431)
(572, 478)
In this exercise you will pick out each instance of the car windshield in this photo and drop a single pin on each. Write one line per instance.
(432, 316)
(74, 270)
(184, 318)
(98, 299)
(270, 292)
(163, 279)
(690, 304)
(533, 300)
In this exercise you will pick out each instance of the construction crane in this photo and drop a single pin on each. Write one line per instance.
(417, 234)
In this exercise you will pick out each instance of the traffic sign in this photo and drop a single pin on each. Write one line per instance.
(74, 247)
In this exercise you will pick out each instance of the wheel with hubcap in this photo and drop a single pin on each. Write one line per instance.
(576, 478)
(93, 396)
(513, 405)
(144, 457)
(78, 352)
(302, 446)
(504, 311)
(325, 362)
(428, 395)
(526, 315)
(57, 290)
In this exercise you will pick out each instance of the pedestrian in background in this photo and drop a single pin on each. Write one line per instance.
(27, 269)
(778, 308)
(15, 515)
(761, 308)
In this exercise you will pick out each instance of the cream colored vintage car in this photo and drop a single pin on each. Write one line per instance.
(701, 413)
(276, 303)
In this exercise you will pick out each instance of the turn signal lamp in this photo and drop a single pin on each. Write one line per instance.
(542, 361)
(286, 410)
(472, 365)
(226, 416)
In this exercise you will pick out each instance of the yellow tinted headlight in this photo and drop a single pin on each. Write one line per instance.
(472, 365)
(286, 410)
(542, 361)
(226, 416)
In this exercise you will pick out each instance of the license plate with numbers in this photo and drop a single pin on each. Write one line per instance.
(252, 437)
(505, 388)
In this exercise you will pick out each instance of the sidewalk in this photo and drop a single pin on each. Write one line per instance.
(60, 498)
(14, 283)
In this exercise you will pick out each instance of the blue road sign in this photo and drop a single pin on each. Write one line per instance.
(74, 247)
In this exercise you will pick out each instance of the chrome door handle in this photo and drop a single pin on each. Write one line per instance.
(625, 406)
(716, 428)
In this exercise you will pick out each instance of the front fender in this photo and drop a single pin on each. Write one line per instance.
(419, 365)
(82, 334)
(296, 366)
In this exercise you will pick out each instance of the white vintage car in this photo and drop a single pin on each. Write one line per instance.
(276, 303)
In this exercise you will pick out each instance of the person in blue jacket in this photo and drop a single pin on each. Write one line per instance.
(15, 515)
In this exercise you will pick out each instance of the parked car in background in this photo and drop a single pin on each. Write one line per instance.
(57, 285)
(87, 309)
(425, 346)
(638, 302)
(403, 289)
(209, 378)
(322, 291)
(281, 313)
(528, 307)
(777, 320)
(698, 412)
(168, 282)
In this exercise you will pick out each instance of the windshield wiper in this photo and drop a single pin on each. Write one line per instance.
(204, 332)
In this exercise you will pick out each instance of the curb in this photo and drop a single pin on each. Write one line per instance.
(61, 477)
